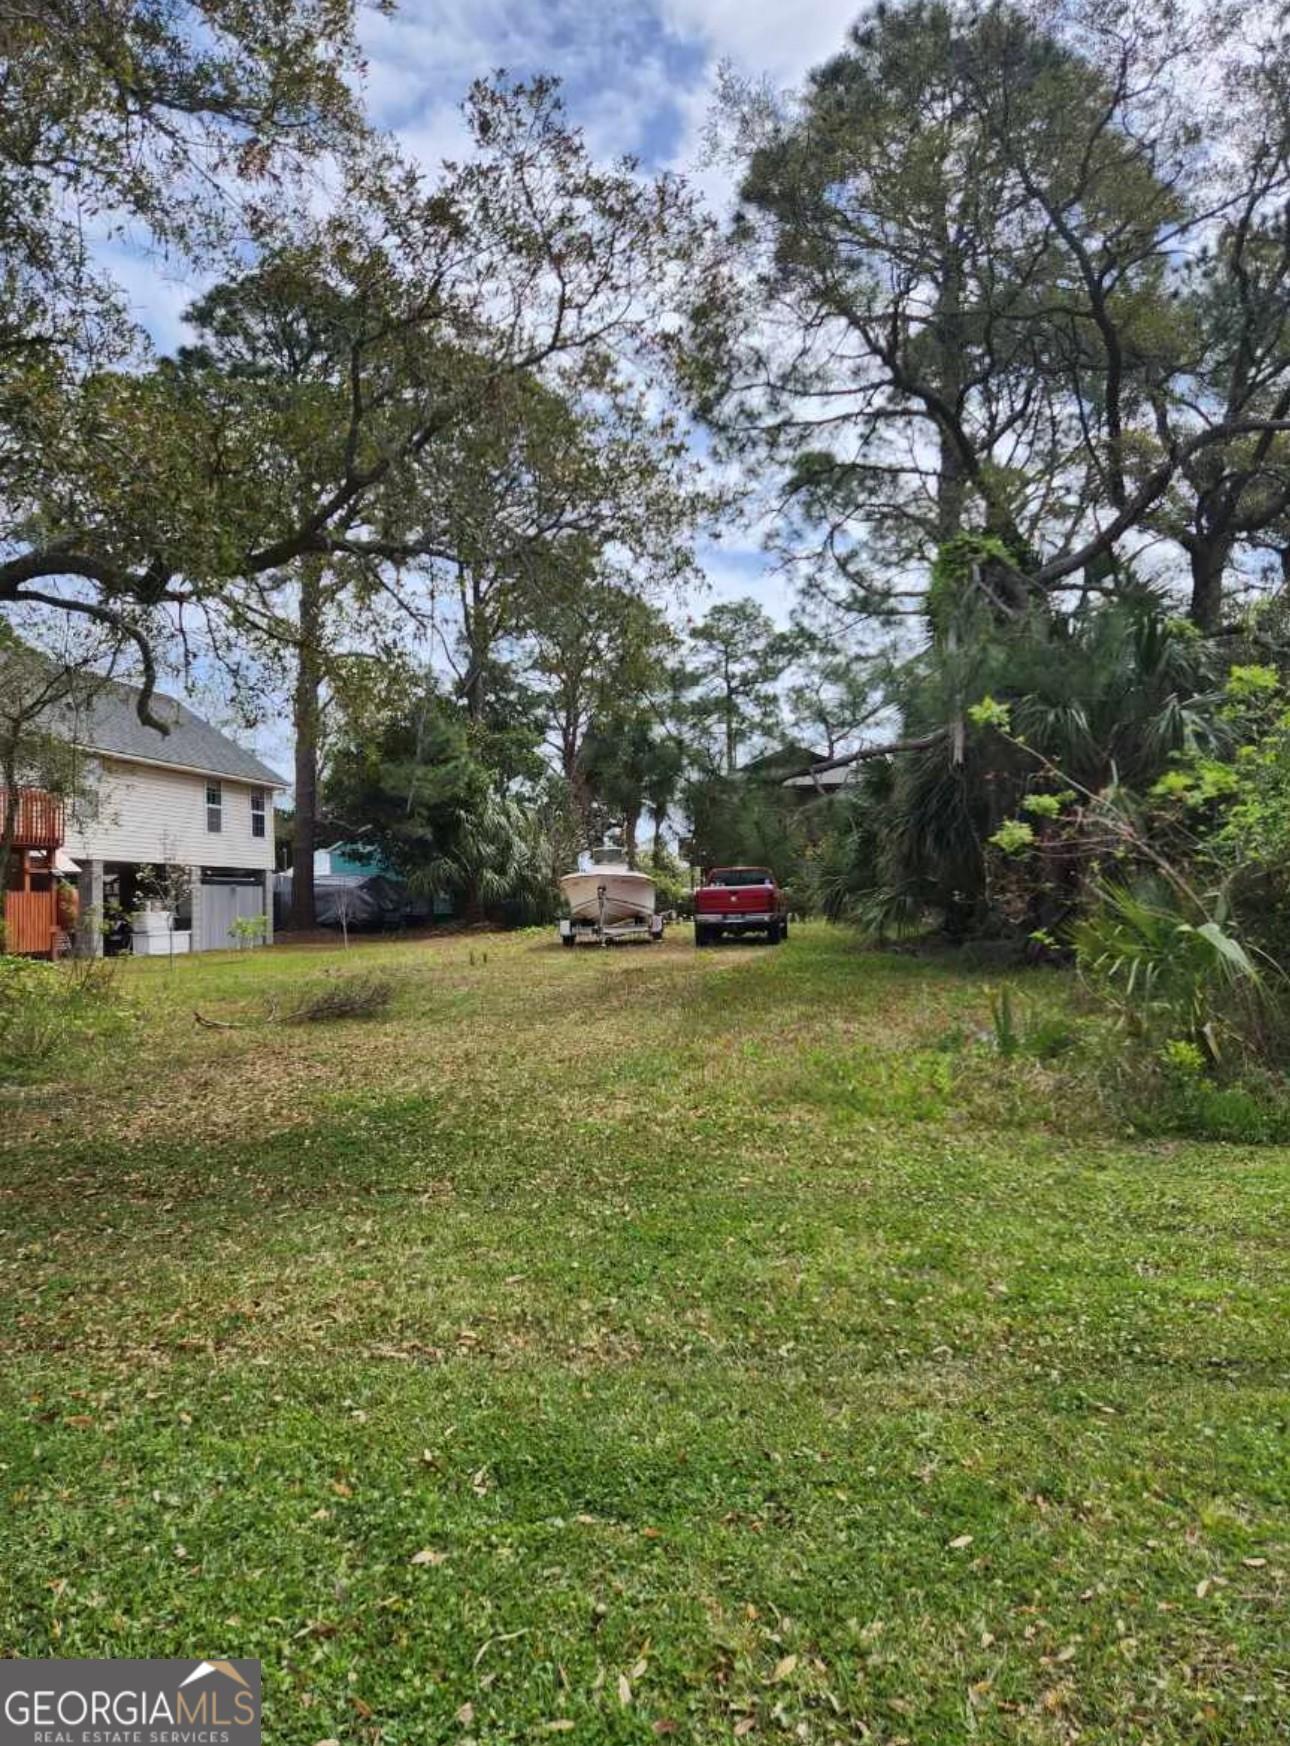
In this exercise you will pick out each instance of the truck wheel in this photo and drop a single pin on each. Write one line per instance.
(702, 936)
(775, 934)
(567, 940)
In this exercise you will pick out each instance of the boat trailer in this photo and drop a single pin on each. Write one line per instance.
(598, 930)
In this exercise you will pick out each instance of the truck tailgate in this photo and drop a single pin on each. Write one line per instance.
(715, 900)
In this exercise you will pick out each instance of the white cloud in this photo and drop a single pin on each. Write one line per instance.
(632, 71)
(763, 36)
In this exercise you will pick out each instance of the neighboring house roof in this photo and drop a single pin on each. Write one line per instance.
(357, 858)
(108, 722)
(781, 761)
(823, 779)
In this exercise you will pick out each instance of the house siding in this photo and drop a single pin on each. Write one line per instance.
(142, 814)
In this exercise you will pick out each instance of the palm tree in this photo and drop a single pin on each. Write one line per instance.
(1107, 695)
(499, 857)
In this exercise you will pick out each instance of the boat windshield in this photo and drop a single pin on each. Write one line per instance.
(739, 876)
(608, 857)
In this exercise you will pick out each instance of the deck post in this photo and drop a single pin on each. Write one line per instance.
(90, 917)
(268, 909)
(197, 921)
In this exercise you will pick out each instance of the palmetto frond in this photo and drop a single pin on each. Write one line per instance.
(499, 853)
(1108, 696)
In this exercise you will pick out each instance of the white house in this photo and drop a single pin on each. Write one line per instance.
(190, 801)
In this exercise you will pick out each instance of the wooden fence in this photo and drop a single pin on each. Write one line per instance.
(30, 920)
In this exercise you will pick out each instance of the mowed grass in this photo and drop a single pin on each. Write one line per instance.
(637, 1345)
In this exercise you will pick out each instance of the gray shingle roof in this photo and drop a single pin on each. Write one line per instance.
(109, 722)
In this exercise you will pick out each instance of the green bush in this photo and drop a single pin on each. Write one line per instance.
(1178, 1095)
(1166, 973)
(671, 881)
(1022, 1027)
(1125, 1078)
(50, 1011)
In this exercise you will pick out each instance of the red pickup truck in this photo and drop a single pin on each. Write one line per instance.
(739, 900)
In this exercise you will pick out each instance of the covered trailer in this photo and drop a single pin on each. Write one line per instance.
(370, 902)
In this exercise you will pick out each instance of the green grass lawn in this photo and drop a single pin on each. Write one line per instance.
(641, 1344)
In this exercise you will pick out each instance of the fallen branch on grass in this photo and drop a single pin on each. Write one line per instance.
(225, 1024)
(360, 996)
(341, 997)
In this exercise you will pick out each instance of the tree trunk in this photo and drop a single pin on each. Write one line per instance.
(951, 482)
(575, 776)
(660, 812)
(477, 645)
(581, 798)
(1002, 583)
(1208, 568)
(305, 721)
(475, 695)
(951, 490)
(8, 827)
(631, 821)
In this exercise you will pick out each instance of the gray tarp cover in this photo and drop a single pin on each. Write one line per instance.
(362, 900)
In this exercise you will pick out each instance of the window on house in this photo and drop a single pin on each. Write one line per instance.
(258, 812)
(215, 807)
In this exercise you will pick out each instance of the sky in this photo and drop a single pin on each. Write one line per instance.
(637, 73)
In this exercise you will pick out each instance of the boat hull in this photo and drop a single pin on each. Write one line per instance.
(628, 896)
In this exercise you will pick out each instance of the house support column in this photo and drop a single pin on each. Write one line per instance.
(90, 917)
(197, 923)
(268, 909)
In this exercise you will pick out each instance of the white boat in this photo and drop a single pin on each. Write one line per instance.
(627, 896)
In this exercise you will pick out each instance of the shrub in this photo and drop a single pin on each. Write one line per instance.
(1020, 1027)
(1176, 1094)
(671, 880)
(49, 1011)
(1167, 975)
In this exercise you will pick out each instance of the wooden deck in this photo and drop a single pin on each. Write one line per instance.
(40, 819)
(31, 889)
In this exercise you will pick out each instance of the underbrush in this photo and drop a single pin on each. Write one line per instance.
(1134, 1082)
(1174, 1094)
(51, 1012)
